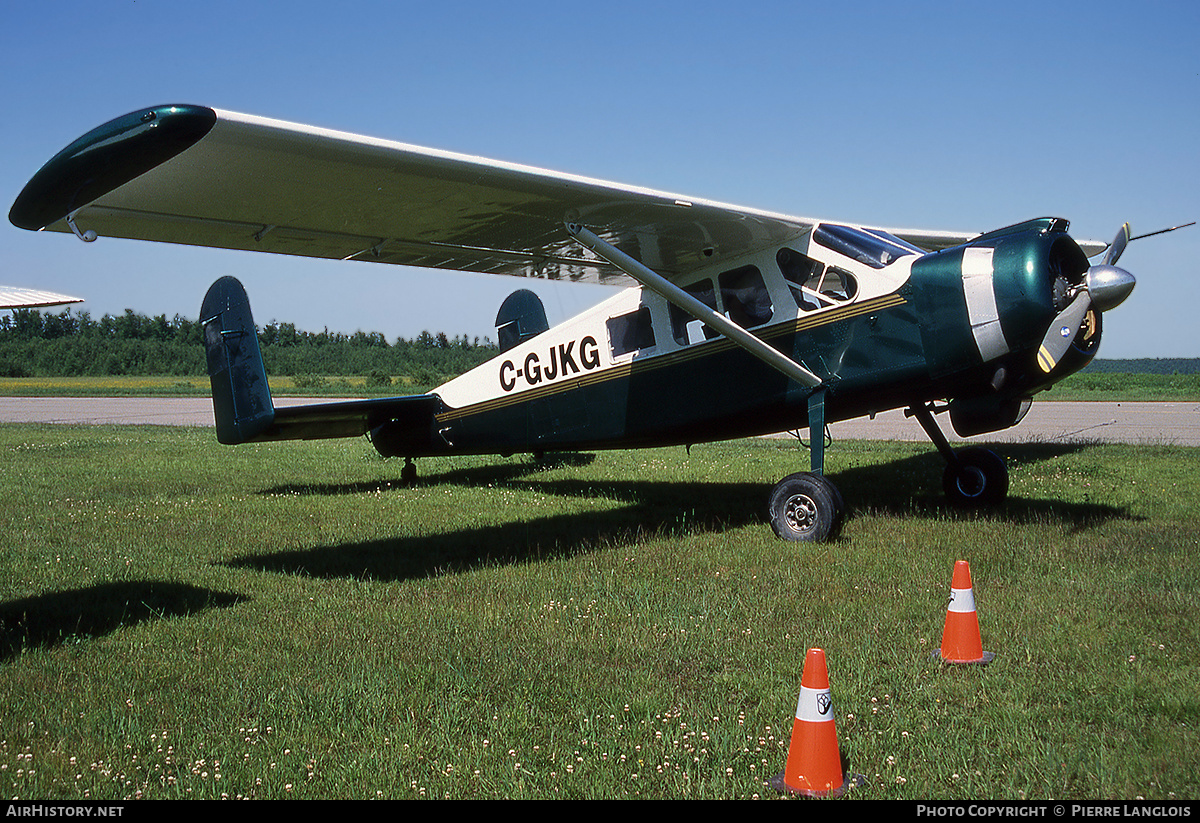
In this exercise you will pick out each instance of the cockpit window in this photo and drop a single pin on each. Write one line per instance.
(744, 299)
(872, 248)
(813, 284)
(904, 245)
(747, 301)
(686, 328)
(631, 332)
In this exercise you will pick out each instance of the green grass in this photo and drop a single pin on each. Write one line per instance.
(1085, 386)
(1126, 386)
(183, 620)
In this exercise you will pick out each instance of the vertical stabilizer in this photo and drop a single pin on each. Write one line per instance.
(242, 402)
(521, 317)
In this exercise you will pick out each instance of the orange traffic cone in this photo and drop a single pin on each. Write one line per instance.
(961, 642)
(814, 764)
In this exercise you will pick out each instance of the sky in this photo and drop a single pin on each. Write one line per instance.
(941, 115)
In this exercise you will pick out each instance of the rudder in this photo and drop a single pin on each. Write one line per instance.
(521, 317)
(242, 404)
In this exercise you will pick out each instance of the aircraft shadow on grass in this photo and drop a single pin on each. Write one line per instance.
(909, 487)
(58, 618)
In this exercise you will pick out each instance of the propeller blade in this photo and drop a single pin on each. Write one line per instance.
(1118, 246)
(1162, 231)
(1062, 331)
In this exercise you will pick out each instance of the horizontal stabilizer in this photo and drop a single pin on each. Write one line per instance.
(242, 403)
(405, 418)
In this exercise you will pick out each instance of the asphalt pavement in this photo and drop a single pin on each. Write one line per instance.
(1111, 422)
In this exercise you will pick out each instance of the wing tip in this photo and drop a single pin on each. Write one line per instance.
(106, 158)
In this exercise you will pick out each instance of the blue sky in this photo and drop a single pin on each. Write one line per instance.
(960, 116)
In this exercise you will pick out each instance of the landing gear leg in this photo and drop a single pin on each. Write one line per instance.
(408, 475)
(975, 477)
(806, 506)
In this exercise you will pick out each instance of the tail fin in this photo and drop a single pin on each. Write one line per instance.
(242, 402)
(521, 317)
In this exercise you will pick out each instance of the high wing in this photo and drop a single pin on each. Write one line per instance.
(198, 176)
(13, 297)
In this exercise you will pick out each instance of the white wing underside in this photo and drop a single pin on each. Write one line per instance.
(12, 297)
(267, 185)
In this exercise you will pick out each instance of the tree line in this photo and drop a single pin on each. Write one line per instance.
(1146, 365)
(34, 343)
(69, 344)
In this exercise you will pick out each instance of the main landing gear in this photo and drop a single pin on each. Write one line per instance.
(807, 507)
(975, 477)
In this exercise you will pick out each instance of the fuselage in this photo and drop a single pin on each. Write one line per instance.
(883, 324)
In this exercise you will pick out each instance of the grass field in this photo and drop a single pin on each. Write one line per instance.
(1085, 386)
(182, 620)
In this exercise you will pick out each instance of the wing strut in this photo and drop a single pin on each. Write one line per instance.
(678, 297)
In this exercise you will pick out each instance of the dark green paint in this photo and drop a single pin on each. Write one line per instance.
(713, 392)
(1025, 260)
(242, 404)
(936, 290)
(105, 159)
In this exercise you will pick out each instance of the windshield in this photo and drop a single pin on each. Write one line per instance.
(874, 248)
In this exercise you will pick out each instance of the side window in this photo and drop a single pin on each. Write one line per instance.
(686, 328)
(745, 296)
(630, 332)
(813, 285)
(838, 284)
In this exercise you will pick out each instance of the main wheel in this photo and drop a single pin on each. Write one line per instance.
(806, 507)
(979, 478)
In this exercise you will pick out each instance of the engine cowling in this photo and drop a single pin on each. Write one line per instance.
(985, 308)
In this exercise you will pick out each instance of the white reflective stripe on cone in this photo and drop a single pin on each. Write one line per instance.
(962, 600)
(814, 705)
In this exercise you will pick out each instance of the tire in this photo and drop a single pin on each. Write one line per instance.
(979, 479)
(805, 507)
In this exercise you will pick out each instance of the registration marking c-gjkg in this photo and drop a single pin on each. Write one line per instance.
(560, 362)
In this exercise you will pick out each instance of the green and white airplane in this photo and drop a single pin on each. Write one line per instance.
(736, 322)
(18, 297)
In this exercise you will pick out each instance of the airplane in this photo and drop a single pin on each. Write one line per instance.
(734, 322)
(16, 297)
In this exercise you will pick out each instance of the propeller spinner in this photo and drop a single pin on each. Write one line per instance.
(1104, 287)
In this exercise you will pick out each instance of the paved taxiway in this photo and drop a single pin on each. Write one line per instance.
(1111, 422)
(141, 411)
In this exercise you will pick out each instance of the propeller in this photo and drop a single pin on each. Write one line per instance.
(1117, 247)
(1104, 287)
(1062, 331)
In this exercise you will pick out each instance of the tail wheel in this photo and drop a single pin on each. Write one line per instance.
(805, 507)
(977, 478)
(408, 475)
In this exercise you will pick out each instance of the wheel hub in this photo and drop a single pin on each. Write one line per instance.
(800, 512)
(971, 481)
